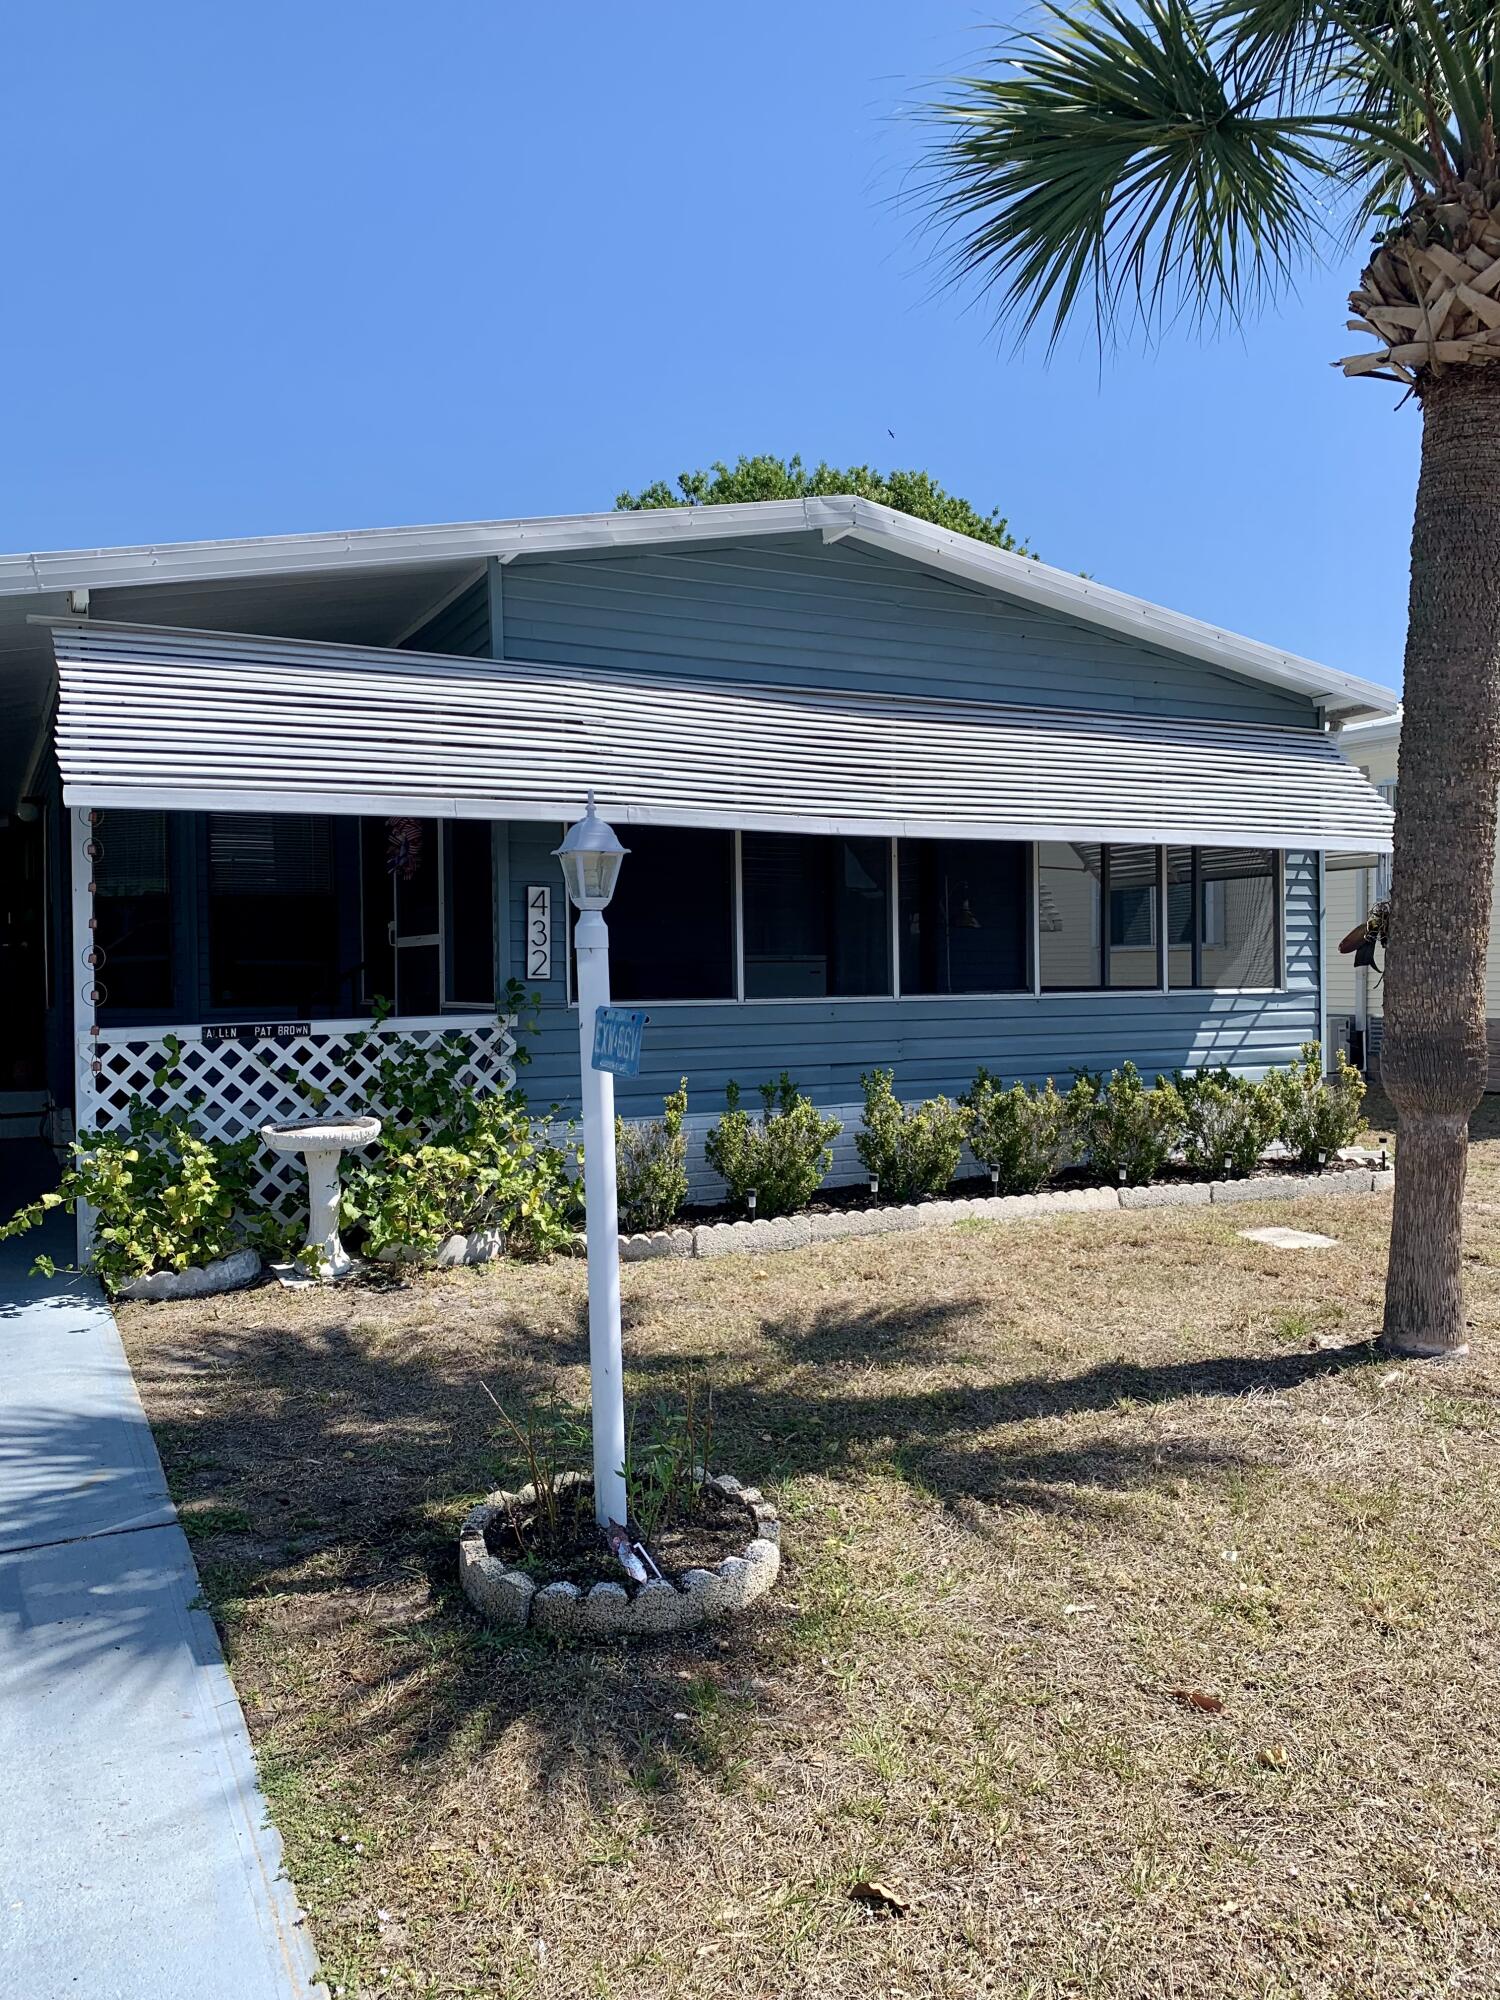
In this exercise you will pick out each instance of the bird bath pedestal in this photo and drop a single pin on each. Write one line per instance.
(320, 1142)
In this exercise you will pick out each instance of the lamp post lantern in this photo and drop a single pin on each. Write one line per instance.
(591, 855)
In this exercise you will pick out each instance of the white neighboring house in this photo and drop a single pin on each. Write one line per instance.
(1354, 884)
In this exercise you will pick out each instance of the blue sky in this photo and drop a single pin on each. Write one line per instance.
(281, 267)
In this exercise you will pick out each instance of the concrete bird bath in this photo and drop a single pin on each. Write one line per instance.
(320, 1141)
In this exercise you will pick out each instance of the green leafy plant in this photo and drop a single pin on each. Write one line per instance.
(651, 1165)
(1228, 1120)
(164, 1198)
(782, 1156)
(666, 1457)
(1318, 1114)
(1128, 1129)
(908, 1149)
(1021, 1136)
(494, 1170)
(667, 1447)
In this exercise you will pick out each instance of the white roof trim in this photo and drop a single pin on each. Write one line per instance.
(955, 555)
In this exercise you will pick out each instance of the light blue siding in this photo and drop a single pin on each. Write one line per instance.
(933, 1045)
(797, 613)
(462, 626)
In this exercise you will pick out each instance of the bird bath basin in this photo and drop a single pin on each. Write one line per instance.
(320, 1141)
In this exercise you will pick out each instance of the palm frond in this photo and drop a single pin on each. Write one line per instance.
(1141, 153)
(1137, 157)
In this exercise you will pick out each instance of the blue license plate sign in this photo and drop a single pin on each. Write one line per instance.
(617, 1040)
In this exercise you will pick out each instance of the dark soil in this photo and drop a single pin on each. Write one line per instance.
(577, 1552)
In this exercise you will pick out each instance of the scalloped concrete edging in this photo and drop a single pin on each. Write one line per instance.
(513, 1597)
(796, 1232)
(198, 1281)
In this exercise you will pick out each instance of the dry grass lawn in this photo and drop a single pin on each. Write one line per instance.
(1033, 1479)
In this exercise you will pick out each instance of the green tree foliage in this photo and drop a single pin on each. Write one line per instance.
(767, 478)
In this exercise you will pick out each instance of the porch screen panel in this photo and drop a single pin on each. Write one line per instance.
(273, 929)
(1070, 881)
(671, 918)
(817, 916)
(1240, 927)
(133, 906)
(1134, 896)
(963, 917)
(469, 899)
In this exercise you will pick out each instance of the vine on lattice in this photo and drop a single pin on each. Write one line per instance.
(230, 1089)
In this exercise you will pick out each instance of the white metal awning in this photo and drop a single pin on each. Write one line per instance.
(192, 721)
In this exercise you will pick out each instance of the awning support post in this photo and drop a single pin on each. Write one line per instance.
(83, 967)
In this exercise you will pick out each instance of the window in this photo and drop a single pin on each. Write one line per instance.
(816, 915)
(671, 918)
(273, 912)
(1077, 882)
(963, 916)
(133, 911)
(1223, 915)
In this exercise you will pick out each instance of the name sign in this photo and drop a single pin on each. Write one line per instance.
(617, 1040)
(254, 1031)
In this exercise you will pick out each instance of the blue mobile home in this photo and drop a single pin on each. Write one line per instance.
(892, 797)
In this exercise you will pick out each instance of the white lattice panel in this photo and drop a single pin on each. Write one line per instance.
(232, 1088)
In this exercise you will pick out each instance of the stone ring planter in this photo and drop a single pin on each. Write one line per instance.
(523, 1599)
(198, 1281)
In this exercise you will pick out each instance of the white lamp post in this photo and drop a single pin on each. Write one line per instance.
(591, 855)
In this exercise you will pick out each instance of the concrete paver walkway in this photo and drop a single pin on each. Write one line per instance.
(136, 1861)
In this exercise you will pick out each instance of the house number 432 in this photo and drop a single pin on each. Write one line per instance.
(538, 932)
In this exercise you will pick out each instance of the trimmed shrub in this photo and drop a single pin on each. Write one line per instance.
(1130, 1131)
(909, 1149)
(1020, 1136)
(782, 1156)
(1228, 1120)
(1318, 1114)
(651, 1165)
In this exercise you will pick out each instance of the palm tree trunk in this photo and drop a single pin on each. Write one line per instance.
(1433, 1057)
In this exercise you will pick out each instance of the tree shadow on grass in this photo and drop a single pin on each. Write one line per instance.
(352, 1454)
